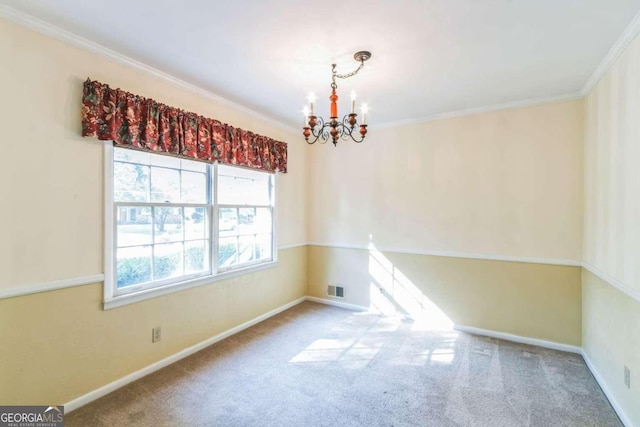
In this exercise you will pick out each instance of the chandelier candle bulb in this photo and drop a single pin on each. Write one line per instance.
(365, 109)
(353, 101)
(312, 99)
(305, 115)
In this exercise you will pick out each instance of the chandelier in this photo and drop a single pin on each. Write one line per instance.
(316, 128)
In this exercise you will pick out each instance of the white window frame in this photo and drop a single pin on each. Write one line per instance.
(113, 298)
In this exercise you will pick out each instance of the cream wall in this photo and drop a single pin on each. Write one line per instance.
(56, 346)
(503, 185)
(506, 183)
(611, 320)
(52, 179)
(612, 172)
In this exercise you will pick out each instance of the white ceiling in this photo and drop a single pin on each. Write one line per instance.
(429, 56)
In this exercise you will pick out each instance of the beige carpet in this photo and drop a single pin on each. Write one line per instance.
(315, 365)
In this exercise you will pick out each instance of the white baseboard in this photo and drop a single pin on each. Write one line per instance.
(607, 392)
(104, 390)
(337, 304)
(519, 339)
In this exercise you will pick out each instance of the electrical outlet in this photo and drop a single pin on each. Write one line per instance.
(156, 334)
(627, 376)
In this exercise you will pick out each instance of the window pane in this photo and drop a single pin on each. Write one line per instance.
(130, 182)
(237, 186)
(263, 246)
(228, 221)
(132, 156)
(168, 241)
(246, 249)
(246, 218)
(165, 185)
(195, 223)
(196, 256)
(134, 226)
(167, 261)
(228, 251)
(263, 220)
(168, 224)
(194, 187)
(133, 265)
(254, 220)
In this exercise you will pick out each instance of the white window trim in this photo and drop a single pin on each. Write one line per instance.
(111, 300)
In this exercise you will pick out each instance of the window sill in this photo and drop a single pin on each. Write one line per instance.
(134, 297)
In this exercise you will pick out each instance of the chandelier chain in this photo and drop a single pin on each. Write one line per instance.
(343, 76)
(351, 74)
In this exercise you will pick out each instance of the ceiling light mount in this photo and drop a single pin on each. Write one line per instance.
(362, 55)
(317, 128)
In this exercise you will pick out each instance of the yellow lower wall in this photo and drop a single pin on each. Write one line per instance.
(532, 300)
(56, 346)
(611, 340)
(59, 345)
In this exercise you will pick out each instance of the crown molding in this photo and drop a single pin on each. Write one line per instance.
(40, 26)
(627, 36)
(63, 35)
(531, 102)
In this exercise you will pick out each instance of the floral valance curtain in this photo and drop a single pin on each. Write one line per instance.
(142, 123)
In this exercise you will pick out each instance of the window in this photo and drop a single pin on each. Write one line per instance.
(173, 222)
(244, 215)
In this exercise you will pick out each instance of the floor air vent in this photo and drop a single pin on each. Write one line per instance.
(335, 291)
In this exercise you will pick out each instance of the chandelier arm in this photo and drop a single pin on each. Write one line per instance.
(343, 129)
(322, 130)
(346, 123)
(317, 131)
(356, 140)
(314, 140)
(321, 125)
(349, 130)
(325, 135)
